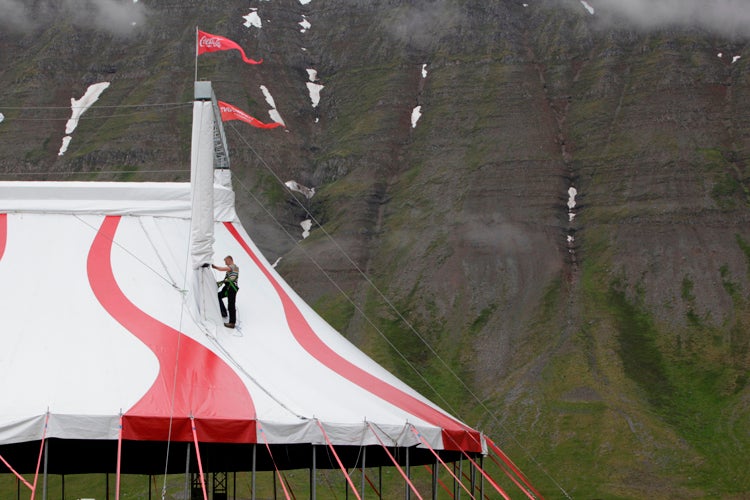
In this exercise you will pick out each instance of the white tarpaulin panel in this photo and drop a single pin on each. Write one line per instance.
(201, 180)
(165, 199)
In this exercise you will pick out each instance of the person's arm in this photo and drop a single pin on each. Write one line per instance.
(220, 268)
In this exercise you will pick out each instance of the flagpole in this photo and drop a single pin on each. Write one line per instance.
(196, 53)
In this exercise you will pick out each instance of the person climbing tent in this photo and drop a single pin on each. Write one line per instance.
(229, 287)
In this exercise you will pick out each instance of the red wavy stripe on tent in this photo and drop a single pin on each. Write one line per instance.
(3, 233)
(460, 436)
(205, 386)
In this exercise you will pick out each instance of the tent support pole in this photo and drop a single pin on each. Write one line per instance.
(473, 480)
(481, 478)
(274, 487)
(62, 486)
(149, 487)
(188, 493)
(380, 480)
(455, 485)
(234, 485)
(44, 479)
(435, 471)
(407, 494)
(364, 460)
(119, 459)
(252, 478)
(198, 457)
(460, 477)
(313, 475)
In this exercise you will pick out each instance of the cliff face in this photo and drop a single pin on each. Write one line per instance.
(603, 330)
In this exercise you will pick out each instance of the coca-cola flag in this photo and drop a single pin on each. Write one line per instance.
(229, 112)
(215, 43)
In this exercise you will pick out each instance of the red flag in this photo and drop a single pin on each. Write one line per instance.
(214, 43)
(229, 112)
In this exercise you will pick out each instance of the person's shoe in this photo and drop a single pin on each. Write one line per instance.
(229, 325)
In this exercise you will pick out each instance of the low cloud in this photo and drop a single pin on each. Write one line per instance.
(723, 17)
(423, 22)
(115, 16)
(118, 17)
(15, 15)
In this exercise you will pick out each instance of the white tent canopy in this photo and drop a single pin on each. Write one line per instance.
(112, 333)
(102, 319)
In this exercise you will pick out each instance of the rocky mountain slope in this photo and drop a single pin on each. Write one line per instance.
(542, 208)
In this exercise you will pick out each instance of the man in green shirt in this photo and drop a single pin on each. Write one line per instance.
(229, 287)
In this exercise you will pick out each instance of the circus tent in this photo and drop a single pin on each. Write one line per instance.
(113, 349)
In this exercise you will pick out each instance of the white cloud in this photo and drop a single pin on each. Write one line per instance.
(726, 17)
(115, 16)
(16, 15)
(420, 23)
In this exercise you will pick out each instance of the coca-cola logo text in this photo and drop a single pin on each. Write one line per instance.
(209, 42)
